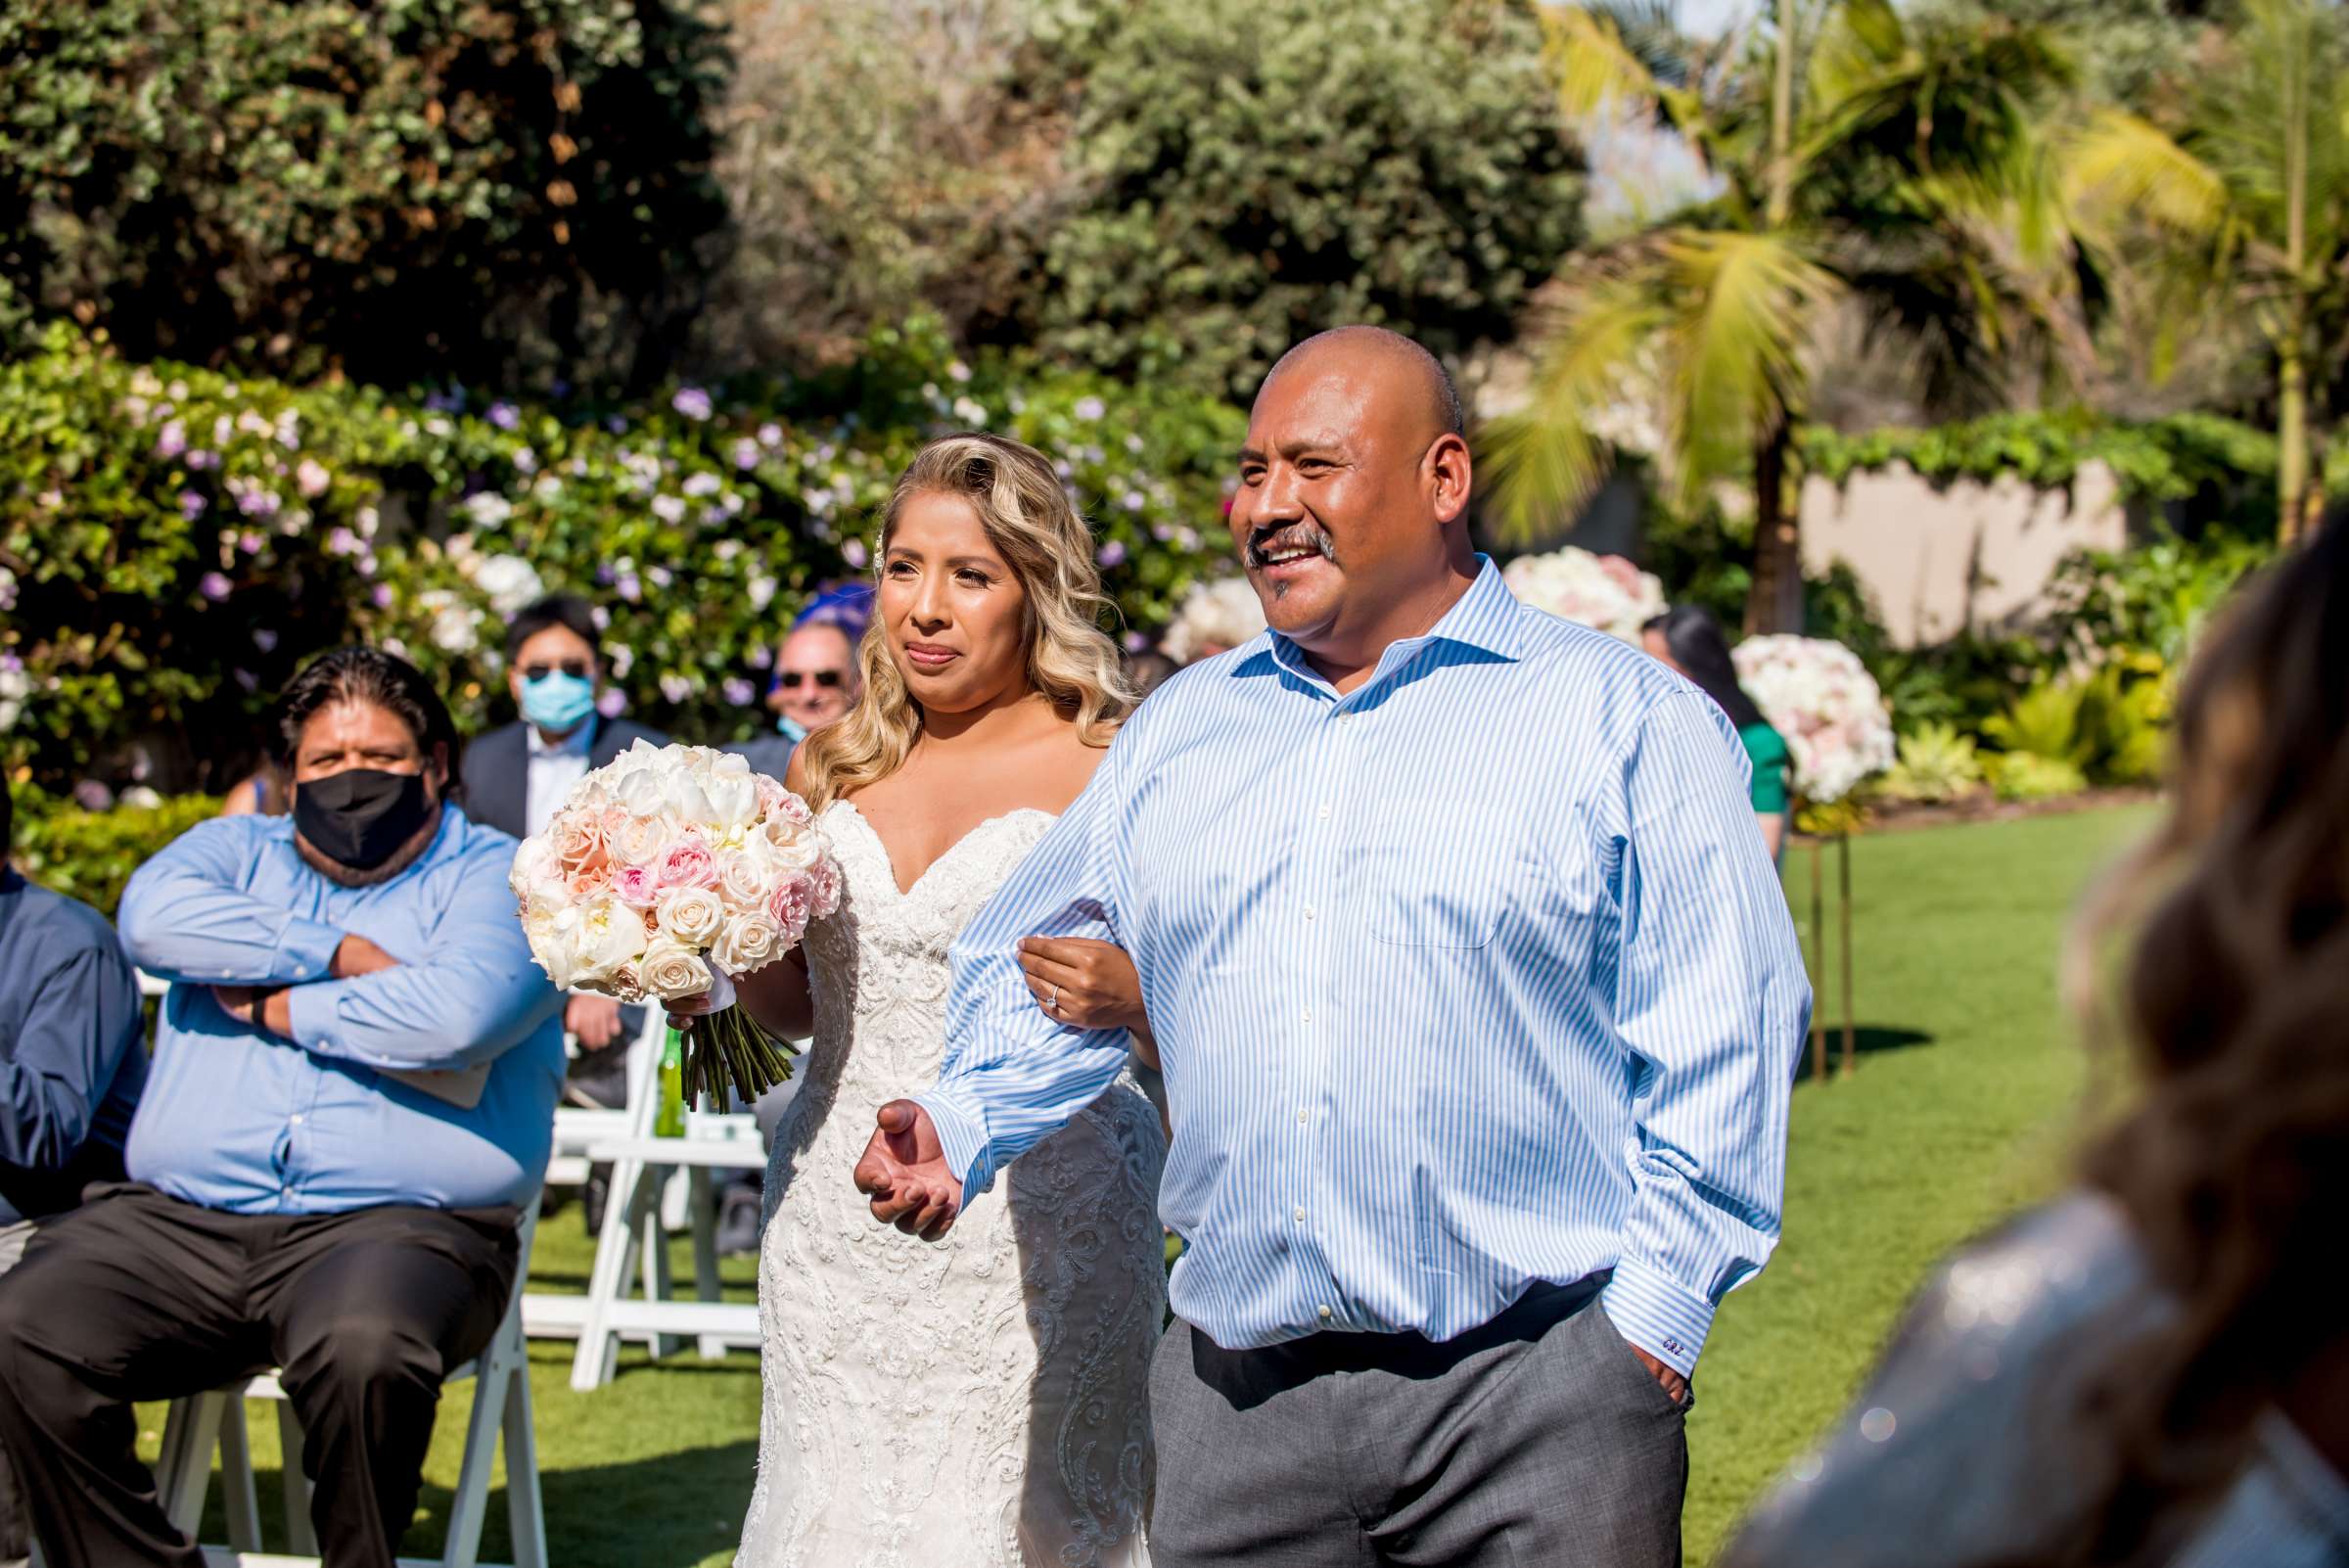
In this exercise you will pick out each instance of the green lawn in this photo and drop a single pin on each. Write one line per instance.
(1961, 1108)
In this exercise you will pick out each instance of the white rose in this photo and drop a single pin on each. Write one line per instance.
(792, 845)
(733, 797)
(690, 916)
(533, 861)
(747, 877)
(553, 933)
(640, 792)
(668, 971)
(683, 798)
(748, 941)
(610, 935)
(642, 840)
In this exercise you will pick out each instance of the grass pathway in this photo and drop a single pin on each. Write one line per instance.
(1961, 1109)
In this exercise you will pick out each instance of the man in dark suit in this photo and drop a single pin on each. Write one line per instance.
(517, 776)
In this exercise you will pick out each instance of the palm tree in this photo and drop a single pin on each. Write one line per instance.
(2250, 200)
(1858, 162)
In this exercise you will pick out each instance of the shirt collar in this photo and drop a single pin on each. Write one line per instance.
(576, 744)
(1485, 618)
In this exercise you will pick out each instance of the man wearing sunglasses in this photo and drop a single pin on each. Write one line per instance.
(816, 680)
(517, 776)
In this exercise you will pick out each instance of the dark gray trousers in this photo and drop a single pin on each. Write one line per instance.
(1536, 1439)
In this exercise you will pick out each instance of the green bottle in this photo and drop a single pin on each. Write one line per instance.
(670, 1123)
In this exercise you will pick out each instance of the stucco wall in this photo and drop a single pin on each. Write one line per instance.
(1940, 559)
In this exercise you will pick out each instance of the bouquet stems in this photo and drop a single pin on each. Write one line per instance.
(731, 1051)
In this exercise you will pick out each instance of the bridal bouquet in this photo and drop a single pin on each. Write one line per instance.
(1605, 592)
(1823, 700)
(665, 862)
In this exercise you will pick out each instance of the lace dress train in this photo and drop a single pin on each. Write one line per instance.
(979, 1402)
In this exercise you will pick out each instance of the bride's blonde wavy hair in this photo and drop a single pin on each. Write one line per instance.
(1031, 521)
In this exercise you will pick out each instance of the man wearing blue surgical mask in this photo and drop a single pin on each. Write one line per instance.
(517, 776)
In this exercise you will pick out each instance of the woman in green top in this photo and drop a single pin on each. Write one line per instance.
(1688, 639)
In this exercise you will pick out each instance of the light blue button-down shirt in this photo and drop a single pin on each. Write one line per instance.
(1474, 976)
(239, 1119)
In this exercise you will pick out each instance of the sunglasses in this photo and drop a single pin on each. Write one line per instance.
(793, 679)
(575, 668)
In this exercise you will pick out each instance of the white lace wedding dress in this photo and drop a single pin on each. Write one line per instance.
(978, 1402)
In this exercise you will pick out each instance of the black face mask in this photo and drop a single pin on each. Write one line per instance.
(360, 816)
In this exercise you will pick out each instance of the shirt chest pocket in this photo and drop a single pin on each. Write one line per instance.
(1437, 873)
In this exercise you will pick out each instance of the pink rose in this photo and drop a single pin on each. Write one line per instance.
(576, 837)
(823, 894)
(688, 864)
(789, 909)
(772, 795)
(636, 885)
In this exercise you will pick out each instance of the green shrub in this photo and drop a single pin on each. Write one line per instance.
(502, 191)
(2168, 459)
(2028, 776)
(1255, 170)
(1936, 764)
(90, 854)
(176, 542)
(2045, 722)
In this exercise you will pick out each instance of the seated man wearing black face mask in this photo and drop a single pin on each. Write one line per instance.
(351, 1097)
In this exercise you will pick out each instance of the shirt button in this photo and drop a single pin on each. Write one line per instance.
(1302, 1115)
(1324, 1312)
(296, 1119)
(1300, 1214)
(1309, 911)
(1309, 1015)
(1325, 810)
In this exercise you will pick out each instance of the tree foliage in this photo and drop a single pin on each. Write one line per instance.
(1253, 170)
(494, 191)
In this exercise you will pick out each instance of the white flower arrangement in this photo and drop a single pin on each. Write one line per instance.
(662, 864)
(1605, 592)
(1820, 698)
(1220, 614)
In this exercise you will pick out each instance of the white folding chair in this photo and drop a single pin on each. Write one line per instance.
(501, 1403)
(634, 1241)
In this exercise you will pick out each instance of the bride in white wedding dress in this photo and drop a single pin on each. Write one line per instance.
(980, 1402)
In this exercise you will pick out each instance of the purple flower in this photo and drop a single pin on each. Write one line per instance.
(341, 541)
(745, 454)
(770, 433)
(658, 577)
(313, 479)
(629, 588)
(1112, 554)
(213, 587)
(192, 505)
(1134, 501)
(668, 508)
(200, 459)
(738, 691)
(444, 402)
(265, 640)
(604, 575)
(1136, 642)
(382, 596)
(250, 542)
(692, 403)
(677, 688)
(612, 701)
(92, 796)
(506, 416)
(762, 657)
(702, 484)
(853, 552)
(171, 439)
(1091, 409)
(616, 425)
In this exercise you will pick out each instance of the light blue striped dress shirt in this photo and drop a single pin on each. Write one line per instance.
(1474, 976)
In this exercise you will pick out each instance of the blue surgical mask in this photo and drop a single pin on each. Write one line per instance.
(791, 729)
(557, 701)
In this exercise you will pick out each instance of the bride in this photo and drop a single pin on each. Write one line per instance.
(980, 1402)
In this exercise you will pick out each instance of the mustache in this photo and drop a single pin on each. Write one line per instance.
(1273, 539)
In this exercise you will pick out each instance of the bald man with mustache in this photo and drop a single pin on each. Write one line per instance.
(1477, 1001)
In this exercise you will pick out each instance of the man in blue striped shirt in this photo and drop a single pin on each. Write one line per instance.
(1478, 1004)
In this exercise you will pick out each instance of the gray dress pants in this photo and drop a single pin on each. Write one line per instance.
(1539, 1439)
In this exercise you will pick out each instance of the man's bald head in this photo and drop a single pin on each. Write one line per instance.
(1392, 354)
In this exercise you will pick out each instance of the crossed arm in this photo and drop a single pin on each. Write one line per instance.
(464, 998)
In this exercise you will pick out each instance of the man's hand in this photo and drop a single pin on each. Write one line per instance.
(1674, 1383)
(593, 1020)
(905, 1173)
(357, 955)
(264, 1007)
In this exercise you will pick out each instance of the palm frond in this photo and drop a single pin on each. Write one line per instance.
(1546, 458)
(1597, 70)
(1742, 307)
(2121, 167)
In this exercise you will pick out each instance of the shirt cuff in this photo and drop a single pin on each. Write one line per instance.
(305, 951)
(314, 1013)
(962, 1133)
(1657, 1314)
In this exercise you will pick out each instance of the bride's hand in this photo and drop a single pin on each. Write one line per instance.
(684, 1010)
(1082, 982)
